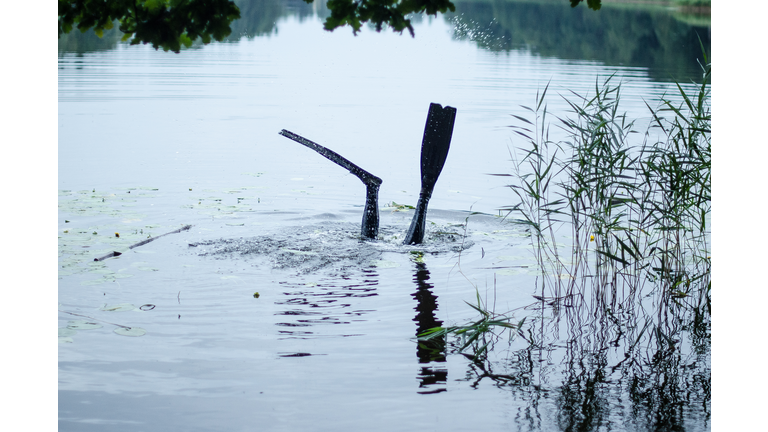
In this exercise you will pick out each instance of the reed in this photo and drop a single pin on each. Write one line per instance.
(637, 213)
(619, 223)
(478, 336)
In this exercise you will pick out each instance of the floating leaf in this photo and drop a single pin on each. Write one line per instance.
(65, 340)
(64, 332)
(101, 271)
(130, 331)
(510, 272)
(400, 207)
(82, 325)
(93, 282)
(122, 307)
(148, 269)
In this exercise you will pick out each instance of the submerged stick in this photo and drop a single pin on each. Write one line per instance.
(434, 151)
(370, 225)
(141, 243)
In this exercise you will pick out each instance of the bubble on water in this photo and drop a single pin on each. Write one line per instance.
(330, 245)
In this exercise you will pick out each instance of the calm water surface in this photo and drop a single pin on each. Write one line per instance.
(150, 141)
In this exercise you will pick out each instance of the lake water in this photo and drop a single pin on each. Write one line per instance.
(150, 141)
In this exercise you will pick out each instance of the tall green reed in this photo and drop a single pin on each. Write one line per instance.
(637, 212)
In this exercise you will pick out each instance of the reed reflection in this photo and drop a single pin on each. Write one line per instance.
(433, 374)
(603, 367)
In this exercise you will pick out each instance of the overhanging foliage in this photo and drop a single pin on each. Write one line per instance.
(169, 24)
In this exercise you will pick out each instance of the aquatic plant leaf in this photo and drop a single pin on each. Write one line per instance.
(83, 325)
(93, 282)
(431, 331)
(613, 257)
(65, 331)
(400, 207)
(147, 269)
(66, 340)
(122, 307)
(523, 119)
(130, 331)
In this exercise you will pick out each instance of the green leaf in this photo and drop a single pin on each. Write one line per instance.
(522, 119)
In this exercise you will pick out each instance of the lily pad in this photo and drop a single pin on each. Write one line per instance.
(122, 307)
(510, 272)
(130, 331)
(65, 340)
(81, 325)
(148, 269)
(93, 282)
(101, 271)
(66, 332)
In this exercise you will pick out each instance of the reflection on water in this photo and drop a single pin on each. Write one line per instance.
(650, 38)
(606, 368)
(432, 351)
(329, 301)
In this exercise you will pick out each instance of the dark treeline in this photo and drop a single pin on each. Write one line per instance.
(649, 38)
(616, 36)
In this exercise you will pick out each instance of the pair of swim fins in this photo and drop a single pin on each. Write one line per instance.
(434, 151)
